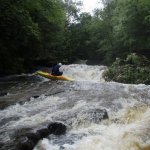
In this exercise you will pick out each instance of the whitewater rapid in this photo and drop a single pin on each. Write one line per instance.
(84, 72)
(127, 105)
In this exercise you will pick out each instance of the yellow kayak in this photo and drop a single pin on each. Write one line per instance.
(49, 76)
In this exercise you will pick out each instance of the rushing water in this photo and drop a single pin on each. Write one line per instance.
(32, 102)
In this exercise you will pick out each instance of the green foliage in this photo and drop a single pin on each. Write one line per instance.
(135, 69)
(120, 28)
(30, 30)
(131, 28)
(53, 30)
(71, 8)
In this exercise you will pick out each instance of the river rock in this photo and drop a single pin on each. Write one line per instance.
(57, 128)
(3, 93)
(25, 144)
(43, 132)
(1, 144)
(35, 137)
(28, 140)
(35, 96)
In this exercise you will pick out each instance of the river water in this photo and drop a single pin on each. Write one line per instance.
(30, 101)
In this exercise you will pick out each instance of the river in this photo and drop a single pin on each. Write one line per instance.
(29, 102)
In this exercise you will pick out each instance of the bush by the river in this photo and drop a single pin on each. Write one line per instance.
(134, 69)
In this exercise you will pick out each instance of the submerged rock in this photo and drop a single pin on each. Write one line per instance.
(99, 114)
(91, 116)
(7, 120)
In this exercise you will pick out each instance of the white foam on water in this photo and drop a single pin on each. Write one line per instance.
(33, 112)
(45, 144)
(110, 136)
(84, 72)
(128, 108)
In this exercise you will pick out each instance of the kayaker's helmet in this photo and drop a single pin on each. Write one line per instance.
(60, 64)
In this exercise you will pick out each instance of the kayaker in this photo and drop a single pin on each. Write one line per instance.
(55, 70)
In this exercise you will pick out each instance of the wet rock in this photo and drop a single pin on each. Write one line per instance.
(25, 144)
(57, 128)
(3, 93)
(43, 132)
(35, 96)
(22, 132)
(35, 137)
(27, 140)
(62, 147)
(3, 104)
(1, 145)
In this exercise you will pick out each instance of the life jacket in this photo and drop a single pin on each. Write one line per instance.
(55, 69)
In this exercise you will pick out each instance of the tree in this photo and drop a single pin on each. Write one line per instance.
(30, 29)
(131, 25)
